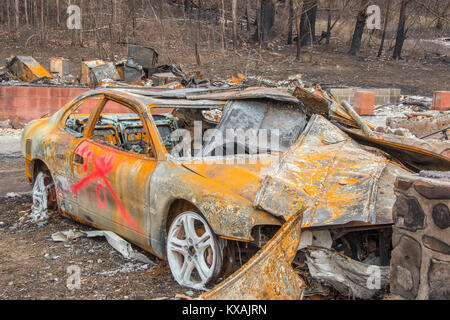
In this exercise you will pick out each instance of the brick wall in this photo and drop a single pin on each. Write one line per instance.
(31, 102)
(420, 259)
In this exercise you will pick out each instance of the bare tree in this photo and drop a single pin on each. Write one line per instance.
(247, 14)
(27, 22)
(401, 32)
(8, 15)
(234, 15)
(299, 5)
(330, 13)
(308, 22)
(290, 21)
(386, 20)
(359, 28)
(441, 20)
(223, 26)
(16, 13)
(266, 19)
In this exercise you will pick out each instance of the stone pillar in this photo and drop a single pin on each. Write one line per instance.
(420, 259)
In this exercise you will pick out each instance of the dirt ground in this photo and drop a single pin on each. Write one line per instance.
(327, 65)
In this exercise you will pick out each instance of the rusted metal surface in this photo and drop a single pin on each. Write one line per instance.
(268, 274)
(27, 68)
(328, 172)
(59, 66)
(160, 79)
(105, 71)
(248, 93)
(406, 150)
(144, 56)
(86, 67)
(351, 278)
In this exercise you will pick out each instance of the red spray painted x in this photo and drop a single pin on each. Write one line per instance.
(102, 166)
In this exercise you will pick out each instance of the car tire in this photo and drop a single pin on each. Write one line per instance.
(194, 253)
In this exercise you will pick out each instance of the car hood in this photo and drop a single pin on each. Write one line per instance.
(324, 170)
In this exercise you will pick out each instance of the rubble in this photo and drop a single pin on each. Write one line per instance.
(145, 57)
(270, 268)
(351, 278)
(118, 243)
(99, 73)
(86, 67)
(59, 66)
(26, 68)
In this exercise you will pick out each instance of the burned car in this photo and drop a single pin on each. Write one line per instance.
(121, 160)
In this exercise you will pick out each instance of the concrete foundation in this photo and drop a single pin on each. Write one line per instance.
(382, 96)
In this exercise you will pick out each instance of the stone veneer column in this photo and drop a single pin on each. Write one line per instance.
(420, 260)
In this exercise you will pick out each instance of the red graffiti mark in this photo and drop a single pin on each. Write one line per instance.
(102, 166)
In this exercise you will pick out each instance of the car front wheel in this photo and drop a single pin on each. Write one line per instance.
(194, 253)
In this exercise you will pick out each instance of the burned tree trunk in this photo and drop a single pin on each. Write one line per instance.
(359, 29)
(308, 22)
(16, 13)
(223, 26)
(27, 21)
(234, 15)
(386, 19)
(298, 40)
(330, 12)
(401, 32)
(8, 17)
(440, 20)
(247, 14)
(290, 21)
(266, 20)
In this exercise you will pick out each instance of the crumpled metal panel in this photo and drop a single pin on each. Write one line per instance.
(248, 93)
(144, 56)
(326, 171)
(417, 154)
(268, 274)
(27, 68)
(102, 72)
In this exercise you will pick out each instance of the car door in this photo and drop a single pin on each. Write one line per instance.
(61, 145)
(112, 176)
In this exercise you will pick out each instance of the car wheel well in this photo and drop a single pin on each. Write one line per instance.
(179, 206)
(38, 166)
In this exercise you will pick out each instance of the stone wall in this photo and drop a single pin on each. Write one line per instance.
(420, 259)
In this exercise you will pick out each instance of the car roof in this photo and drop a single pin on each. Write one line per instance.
(202, 98)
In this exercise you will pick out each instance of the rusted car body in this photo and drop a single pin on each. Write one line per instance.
(139, 192)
